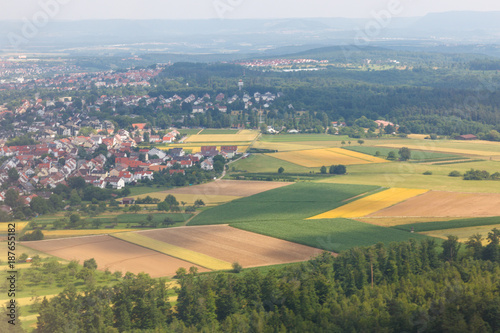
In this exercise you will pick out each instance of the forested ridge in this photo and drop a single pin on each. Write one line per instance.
(404, 287)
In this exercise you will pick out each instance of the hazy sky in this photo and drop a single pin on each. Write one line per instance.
(230, 9)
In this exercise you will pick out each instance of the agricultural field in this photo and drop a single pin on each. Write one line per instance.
(479, 148)
(294, 146)
(210, 131)
(329, 156)
(260, 163)
(113, 254)
(446, 204)
(189, 199)
(303, 137)
(435, 224)
(370, 204)
(241, 136)
(410, 175)
(416, 155)
(331, 235)
(229, 188)
(298, 201)
(173, 251)
(463, 234)
(228, 245)
(49, 234)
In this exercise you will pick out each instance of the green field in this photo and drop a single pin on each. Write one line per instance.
(332, 235)
(416, 155)
(303, 137)
(410, 175)
(209, 131)
(139, 190)
(294, 202)
(453, 224)
(189, 131)
(122, 220)
(257, 163)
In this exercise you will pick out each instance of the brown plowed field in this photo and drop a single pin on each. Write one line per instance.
(231, 245)
(114, 254)
(445, 204)
(240, 188)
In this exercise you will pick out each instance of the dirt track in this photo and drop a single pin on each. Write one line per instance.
(231, 245)
(445, 204)
(112, 253)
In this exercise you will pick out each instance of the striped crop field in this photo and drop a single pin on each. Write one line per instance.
(313, 158)
(174, 251)
(371, 203)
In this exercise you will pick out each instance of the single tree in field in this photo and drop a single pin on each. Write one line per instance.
(404, 154)
(361, 141)
(391, 156)
(281, 170)
(323, 169)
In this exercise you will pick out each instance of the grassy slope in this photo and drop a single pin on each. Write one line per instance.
(294, 202)
(332, 235)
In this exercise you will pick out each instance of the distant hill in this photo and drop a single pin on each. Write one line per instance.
(233, 37)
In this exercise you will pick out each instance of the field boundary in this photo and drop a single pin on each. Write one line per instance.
(174, 251)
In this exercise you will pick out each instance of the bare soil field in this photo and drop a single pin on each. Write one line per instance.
(113, 254)
(239, 188)
(234, 245)
(445, 204)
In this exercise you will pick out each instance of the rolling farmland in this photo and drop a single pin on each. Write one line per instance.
(297, 201)
(113, 254)
(327, 156)
(446, 204)
(329, 234)
(174, 251)
(370, 204)
(230, 244)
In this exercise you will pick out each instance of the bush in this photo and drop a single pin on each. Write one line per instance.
(338, 169)
(455, 173)
(477, 175)
(428, 173)
(33, 236)
(237, 267)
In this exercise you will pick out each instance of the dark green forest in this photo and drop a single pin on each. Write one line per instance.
(404, 287)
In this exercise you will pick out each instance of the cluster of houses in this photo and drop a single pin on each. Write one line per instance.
(68, 77)
(47, 164)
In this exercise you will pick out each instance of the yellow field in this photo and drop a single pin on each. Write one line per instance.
(288, 146)
(191, 198)
(241, 136)
(371, 203)
(72, 233)
(463, 234)
(443, 149)
(312, 158)
(174, 251)
(394, 221)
